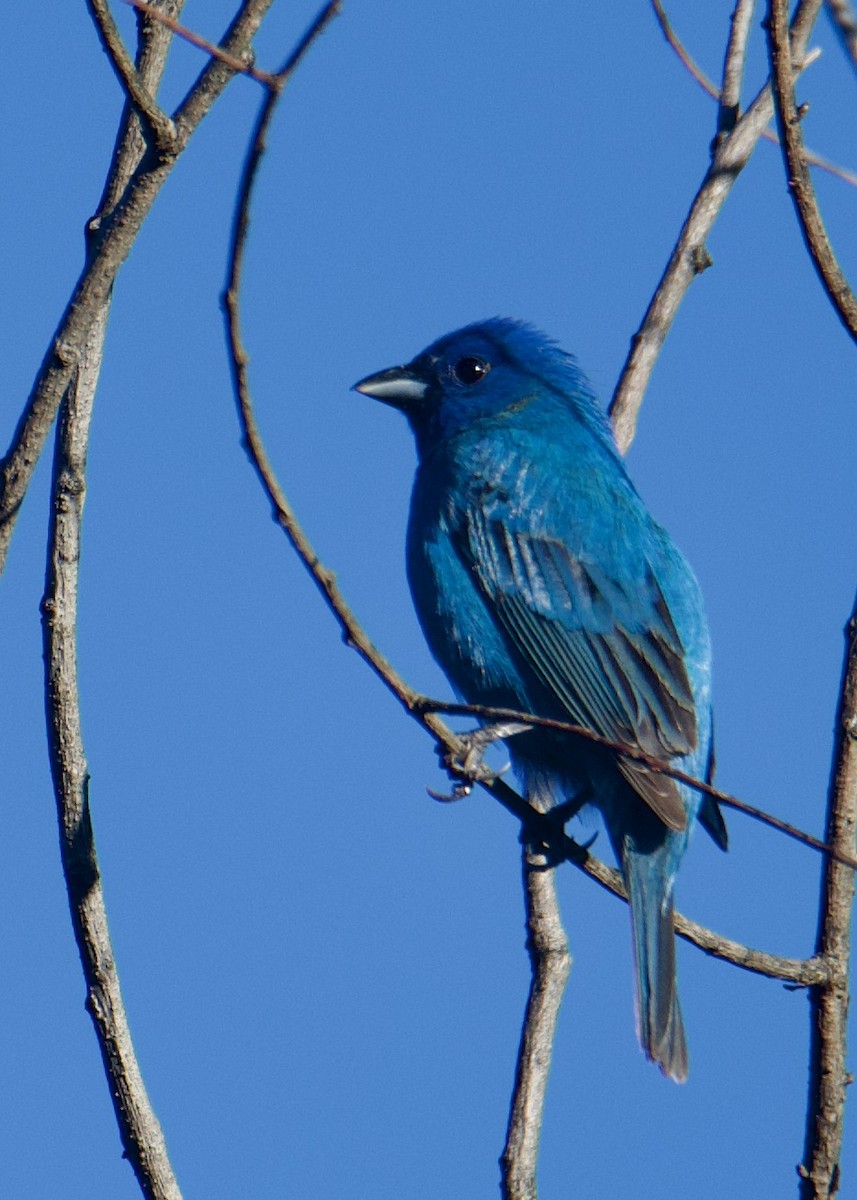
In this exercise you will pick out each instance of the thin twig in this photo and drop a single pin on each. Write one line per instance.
(729, 107)
(693, 68)
(797, 173)
(802, 972)
(690, 257)
(112, 234)
(239, 65)
(684, 57)
(142, 1138)
(126, 72)
(153, 46)
(550, 964)
(844, 20)
(489, 712)
(828, 1070)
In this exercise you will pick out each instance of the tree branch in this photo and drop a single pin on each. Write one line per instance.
(844, 21)
(733, 66)
(828, 1073)
(215, 75)
(797, 173)
(153, 45)
(491, 713)
(689, 256)
(550, 964)
(238, 65)
(142, 1138)
(112, 234)
(730, 72)
(803, 972)
(138, 94)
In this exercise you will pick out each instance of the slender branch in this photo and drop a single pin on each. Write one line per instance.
(733, 66)
(797, 173)
(126, 72)
(799, 971)
(142, 1138)
(550, 964)
(690, 257)
(153, 45)
(112, 234)
(491, 713)
(684, 57)
(235, 64)
(844, 20)
(828, 1073)
(214, 76)
(693, 68)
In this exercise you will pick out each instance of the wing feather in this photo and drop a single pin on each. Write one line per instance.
(607, 652)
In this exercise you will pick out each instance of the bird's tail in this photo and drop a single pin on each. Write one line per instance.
(659, 1024)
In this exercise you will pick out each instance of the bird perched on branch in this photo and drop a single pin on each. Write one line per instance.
(543, 584)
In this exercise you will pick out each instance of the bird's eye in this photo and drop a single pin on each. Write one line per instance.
(470, 370)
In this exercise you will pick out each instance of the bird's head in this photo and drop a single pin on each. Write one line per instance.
(495, 369)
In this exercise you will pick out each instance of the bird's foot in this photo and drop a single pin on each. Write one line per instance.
(465, 763)
(545, 837)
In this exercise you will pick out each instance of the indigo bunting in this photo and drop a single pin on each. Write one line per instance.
(543, 584)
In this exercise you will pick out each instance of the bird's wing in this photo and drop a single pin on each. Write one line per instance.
(606, 650)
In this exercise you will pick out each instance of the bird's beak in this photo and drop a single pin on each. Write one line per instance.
(400, 387)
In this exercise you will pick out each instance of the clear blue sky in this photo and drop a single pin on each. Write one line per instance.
(323, 968)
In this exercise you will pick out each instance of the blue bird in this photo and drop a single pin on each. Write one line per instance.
(543, 584)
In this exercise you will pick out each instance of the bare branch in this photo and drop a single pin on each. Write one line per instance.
(733, 66)
(690, 257)
(153, 44)
(690, 65)
(142, 1139)
(797, 173)
(235, 64)
(550, 962)
(215, 75)
(801, 972)
(828, 1075)
(844, 20)
(112, 234)
(730, 69)
(126, 72)
(489, 712)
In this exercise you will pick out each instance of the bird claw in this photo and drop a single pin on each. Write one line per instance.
(553, 843)
(464, 765)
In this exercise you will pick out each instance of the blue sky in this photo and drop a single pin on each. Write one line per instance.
(323, 968)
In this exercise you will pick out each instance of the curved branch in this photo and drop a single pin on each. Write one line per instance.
(238, 65)
(728, 98)
(689, 256)
(112, 234)
(797, 173)
(844, 20)
(550, 964)
(803, 972)
(491, 713)
(733, 66)
(142, 1138)
(828, 1075)
(138, 94)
